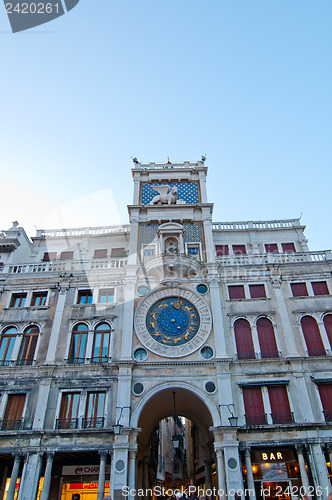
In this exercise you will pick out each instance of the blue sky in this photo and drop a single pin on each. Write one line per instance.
(246, 82)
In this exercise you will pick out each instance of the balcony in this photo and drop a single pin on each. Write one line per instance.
(256, 419)
(11, 425)
(66, 423)
(283, 417)
(273, 258)
(93, 423)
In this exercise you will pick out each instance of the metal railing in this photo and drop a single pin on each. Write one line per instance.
(246, 355)
(283, 417)
(11, 425)
(316, 352)
(75, 361)
(256, 419)
(270, 354)
(93, 422)
(66, 423)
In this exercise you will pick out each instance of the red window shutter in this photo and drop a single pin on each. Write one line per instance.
(325, 392)
(288, 247)
(328, 327)
(14, 408)
(100, 254)
(271, 248)
(267, 341)
(299, 289)
(253, 404)
(281, 413)
(243, 339)
(312, 336)
(49, 256)
(257, 291)
(239, 249)
(222, 250)
(66, 255)
(320, 288)
(236, 292)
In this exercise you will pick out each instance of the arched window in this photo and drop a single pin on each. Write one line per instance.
(28, 346)
(266, 337)
(78, 344)
(243, 339)
(7, 344)
(101, 342)
(312, 336)
(328, 327)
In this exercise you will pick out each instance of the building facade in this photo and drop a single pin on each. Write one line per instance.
(107, 331)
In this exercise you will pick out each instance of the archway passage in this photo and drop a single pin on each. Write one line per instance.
(175, 446)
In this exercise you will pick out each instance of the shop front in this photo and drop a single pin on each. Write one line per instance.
(82, 481)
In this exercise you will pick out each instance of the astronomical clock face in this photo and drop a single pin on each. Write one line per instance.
(173, 322)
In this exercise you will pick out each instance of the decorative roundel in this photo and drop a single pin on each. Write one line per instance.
(120, 466)
(138, 388)
(142, 290)
(203, 289)
(232, 463)
(210, 387)
(140, 354)
(206, 352)
(173, 322)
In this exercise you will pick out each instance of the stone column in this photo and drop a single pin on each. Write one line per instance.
(30, 477)
(102, 472)
(52, 346)
(221, 474)
(250, 476)
(303, 470)
(218, 320)
(283, 314)
(128, 314)
(13, 478)
(255, 340)
(321, 469)
(47, 477)
(132, 471)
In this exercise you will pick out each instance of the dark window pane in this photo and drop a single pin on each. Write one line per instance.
(239, 249)
(299, 289)
(257, 291)
(66, 255)
(288, 247)
(320, 288)
(100, 254)
(236, 292)
(222, 250)
(49, 256)
(271, 248)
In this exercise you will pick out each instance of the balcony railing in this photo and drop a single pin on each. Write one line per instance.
(283, 417)
(11, 425)
(75, 361)
(99, 359)
(65, 266)
(270, 354)
(256, 419)
(263, 225)
(246, 355)
(327, 415)
(93, 423)
(66, 423)
(85, 361)
(316, 352)
(25, 362)
(274, 258)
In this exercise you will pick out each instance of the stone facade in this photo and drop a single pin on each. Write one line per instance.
(243, 341)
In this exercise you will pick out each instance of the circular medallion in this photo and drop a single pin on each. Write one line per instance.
(173, 322)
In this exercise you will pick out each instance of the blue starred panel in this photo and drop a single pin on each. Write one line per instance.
(187, 191)
(192, 232)
(148, 233)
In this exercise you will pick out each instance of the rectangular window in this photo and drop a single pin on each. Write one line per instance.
(236, 292)
(320, 288)
(39, 299)
(271, 248)
(118, 252)
(280, 408)
(18, 300)
(13, 413)
(288, 247)
(69, 411)
(106, 296)
(94, 410)
(299, 289)
(67, 255)
(325, 392)
(100, 254)
(84, 297)
(254, 406)
(239, 249)
(48, 256)
(257, 291)
(222, 250)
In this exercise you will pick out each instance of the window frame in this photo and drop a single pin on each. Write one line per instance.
(20, 296)
(42, 294)
(87, 293)
(234, 287)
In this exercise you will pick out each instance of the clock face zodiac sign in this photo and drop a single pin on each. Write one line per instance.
(172, 321)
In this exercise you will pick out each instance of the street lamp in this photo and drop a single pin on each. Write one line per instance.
(117, 428)
(232, 419)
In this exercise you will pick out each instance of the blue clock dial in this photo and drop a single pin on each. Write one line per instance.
(172, 321)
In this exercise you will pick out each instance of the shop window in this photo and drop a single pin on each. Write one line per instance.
(320, 288)
(257, 291)
(239, 249)
(325, 392)
(271, 248)
(13, 414)
(49, 256)
(84, 297)
(28, 346)
(101, 342)
(100, 254)
(281, 413)
(312, 336)
(39, 299)
(254, 406)
(18, 300)
(78, 344)
(266, 337)
(94, 410)
(7, 345)
(288, 247)
(118, 252)
(68, 418)
(328, 326)
(222, 250)
(68, 255)
(243, 339)
(236, 292)
(106, 296)
(299, 289)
